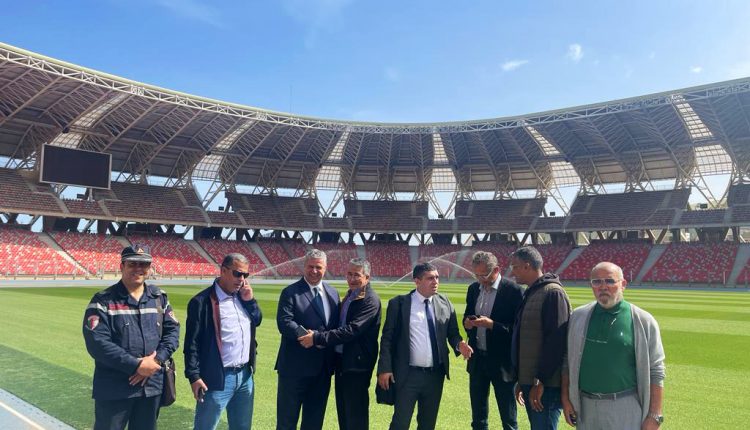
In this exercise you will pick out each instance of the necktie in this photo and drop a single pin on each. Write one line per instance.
(433, 335)
(318, 303)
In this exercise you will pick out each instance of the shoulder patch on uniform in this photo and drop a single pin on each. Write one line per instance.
(171, 315)
(92, 321)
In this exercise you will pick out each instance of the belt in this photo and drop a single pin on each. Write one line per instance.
(609, 396)
(425, 369)
(235, 369)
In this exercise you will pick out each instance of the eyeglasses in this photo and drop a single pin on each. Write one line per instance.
(237, 273)
(134, 264)
(604, 281)
(485, 276)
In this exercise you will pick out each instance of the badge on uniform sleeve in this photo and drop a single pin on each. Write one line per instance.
(92, 322)
(171, 315)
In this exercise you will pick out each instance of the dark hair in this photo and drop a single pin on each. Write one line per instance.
(529, 254)
(420, 268)
(229, 259)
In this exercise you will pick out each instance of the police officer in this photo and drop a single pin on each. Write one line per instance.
(130, 330)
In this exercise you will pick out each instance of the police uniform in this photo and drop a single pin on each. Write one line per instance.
(119, 330)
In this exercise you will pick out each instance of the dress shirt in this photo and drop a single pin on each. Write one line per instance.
(485, 303)
(420, 350)
(235, 329)
(323, 298)
(350, 295)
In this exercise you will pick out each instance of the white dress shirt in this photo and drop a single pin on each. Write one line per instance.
(420, 350)
(235, 329)
(484, 305)
(323, 298)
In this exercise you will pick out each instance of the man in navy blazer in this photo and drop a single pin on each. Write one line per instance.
(305, 374)
(356, 343)
(491, 306)
(419, 327)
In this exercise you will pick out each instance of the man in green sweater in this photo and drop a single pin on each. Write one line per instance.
(614, 368)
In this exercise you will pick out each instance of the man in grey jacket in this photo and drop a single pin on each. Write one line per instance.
(613, 373)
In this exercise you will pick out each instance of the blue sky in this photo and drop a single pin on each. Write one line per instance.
(395, 61)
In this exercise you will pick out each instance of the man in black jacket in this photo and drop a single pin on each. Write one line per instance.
(220, 347)
(491, 306)
(356, 344)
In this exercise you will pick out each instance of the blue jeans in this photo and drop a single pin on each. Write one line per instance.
(548, 418)
(236, 398)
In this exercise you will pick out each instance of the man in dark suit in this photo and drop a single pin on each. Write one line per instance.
(356, 345)
(419, 327)
(220, 347)
(491, 306)
(305, 374)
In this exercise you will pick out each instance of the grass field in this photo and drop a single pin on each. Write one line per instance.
(706, 337)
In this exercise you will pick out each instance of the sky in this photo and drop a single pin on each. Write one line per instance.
(395, 61)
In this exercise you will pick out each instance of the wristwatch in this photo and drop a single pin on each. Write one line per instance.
(657, 417)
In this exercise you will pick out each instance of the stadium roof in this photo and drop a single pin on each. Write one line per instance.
(681, 134)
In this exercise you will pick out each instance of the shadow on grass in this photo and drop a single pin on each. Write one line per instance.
(63, 393)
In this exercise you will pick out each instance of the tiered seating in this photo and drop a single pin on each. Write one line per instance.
(151, 203)
(553, 255)
(98, 253)
(23, 253)
(694, 262)
(739, 202)
(84, 208)
(224, 218)
(276, 211)
(19, 195)
(438, 225)
(335, 224)
(338, 256)
(545, 224)
(218, 249)
(390, 260)
(174, 256)
(702, 217)
(628, 255)
(744, 278)
(441, 256)
(498, 215)
(277, 255)
(627, 210)
(386, 216)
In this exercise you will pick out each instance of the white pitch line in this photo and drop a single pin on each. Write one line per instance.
(21, 416)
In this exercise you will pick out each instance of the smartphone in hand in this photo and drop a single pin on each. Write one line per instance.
(300, 331)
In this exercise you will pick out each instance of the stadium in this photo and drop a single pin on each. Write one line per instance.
(658, 183)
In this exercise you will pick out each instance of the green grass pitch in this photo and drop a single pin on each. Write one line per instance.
(706, 337)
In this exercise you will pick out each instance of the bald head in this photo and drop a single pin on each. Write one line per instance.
(610, 267)
(608, 284)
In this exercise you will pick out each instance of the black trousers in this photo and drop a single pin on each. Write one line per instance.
(353, 400)
(138, 413)
(484, 373)
(423, 388)
(310, 394)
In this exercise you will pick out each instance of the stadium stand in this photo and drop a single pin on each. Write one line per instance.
(276, 253)
(546, 224)
(338, 256)
(389, 259)
(498, 215)
(738, 199)
(694, 263)
(276, 211)
(628, 255)
(386, 216)
(173, 256)
(23, 253)
(152, 203)
(217, 249)
(84, 208)
(553, 255)
(439, 225)
(98, 253)
(702, 217)
(627, 210)
(20, 195)
(444, 257)
(225, 218)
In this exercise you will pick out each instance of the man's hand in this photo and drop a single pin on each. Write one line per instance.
(246, 291)
(199, 389)
(147, 366)
(465, 350)
(569, 412)
(468, 324)
(649, 424)
(484, 322)
(535, 397)
(519, 395)
(306, 340)
(385, 379)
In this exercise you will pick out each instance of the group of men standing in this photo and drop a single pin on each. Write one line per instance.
(602, 366)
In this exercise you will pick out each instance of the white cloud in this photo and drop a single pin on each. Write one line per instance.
(696, 69)
(575, 52)
(392, 74)
(194, 9)
(513, 65)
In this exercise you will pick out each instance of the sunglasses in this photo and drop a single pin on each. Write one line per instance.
(604, 281)
(237, 273)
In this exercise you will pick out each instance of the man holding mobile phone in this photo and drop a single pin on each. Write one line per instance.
(491, 305)
(220, 347)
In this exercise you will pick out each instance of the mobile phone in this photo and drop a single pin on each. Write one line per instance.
(573, 419)
(300, 331)
(201, 394)
(471, 317)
